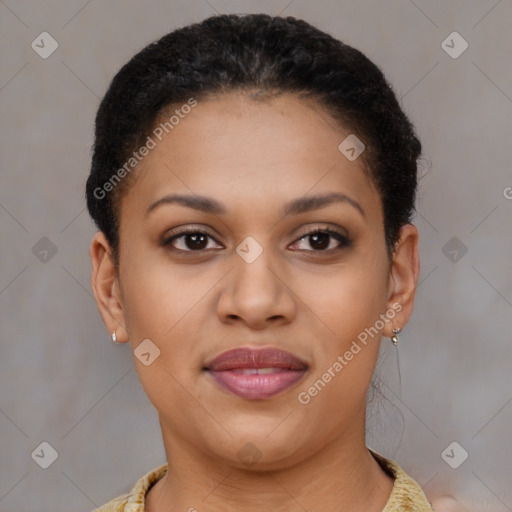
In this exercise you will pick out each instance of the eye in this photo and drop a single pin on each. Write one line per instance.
(196, 240)
(323, 240)
(190, 240)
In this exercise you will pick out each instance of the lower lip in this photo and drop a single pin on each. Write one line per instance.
(254, 387)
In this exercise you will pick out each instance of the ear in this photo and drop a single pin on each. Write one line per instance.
(403, 277)
(105, 285)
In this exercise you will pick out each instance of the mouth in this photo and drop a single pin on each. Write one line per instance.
(255, 374)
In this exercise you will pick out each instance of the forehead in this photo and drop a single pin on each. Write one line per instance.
(246, 151)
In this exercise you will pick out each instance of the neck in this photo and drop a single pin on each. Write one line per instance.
(343, 475)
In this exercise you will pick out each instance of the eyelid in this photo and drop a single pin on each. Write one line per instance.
(322, 228)
(343, 239)
(190, 228)
(177, 233)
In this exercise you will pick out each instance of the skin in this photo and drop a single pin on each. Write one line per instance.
(253, 157)
(449, 504)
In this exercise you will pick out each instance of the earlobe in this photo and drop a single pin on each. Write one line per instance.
(105, 286)
(403, 276)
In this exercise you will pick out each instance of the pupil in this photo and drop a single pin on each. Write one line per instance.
(196, 241)
(319, 240)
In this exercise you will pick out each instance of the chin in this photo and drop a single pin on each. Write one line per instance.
(256, 451)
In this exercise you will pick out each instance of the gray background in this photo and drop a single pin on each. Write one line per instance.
(63, 381)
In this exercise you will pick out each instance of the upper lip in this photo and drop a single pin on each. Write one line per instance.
(269, 357)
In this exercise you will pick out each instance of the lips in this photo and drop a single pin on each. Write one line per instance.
(256, 373)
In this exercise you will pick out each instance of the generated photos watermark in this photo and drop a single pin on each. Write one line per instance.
(304, 397)
(152, 141)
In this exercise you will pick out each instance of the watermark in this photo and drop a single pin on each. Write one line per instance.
(454, 45)
(351, 147)
(249, 454)
(304, 397)
(146, 352)
(45, 455)
(454, 249)
(44, 45)
(249, 249)
(454, 455)
(44, 250)
(507, 192)
(152, 140)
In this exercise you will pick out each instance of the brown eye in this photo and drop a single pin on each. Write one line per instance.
(190, 241)
(319, 241)
(325, 240)
(196, 241)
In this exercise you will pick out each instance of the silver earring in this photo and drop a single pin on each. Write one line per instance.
(394, 338)
(114, 337)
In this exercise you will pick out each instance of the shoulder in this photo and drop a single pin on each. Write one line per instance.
(407, 495)
(135, 499)
(116, 505)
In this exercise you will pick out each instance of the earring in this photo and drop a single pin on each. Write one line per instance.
(114, 337)
(394, 338)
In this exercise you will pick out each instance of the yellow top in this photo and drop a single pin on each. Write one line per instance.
(406, 496)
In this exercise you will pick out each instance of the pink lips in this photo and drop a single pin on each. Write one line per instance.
(256, 373)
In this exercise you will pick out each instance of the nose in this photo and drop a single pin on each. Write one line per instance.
(256, 294)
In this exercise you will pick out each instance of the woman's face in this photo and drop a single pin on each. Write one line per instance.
(249, 276)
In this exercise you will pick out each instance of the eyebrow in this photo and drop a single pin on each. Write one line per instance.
(294, 207)
(202, 203)
(306, 204)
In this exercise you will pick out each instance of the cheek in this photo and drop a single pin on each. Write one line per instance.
(161, 304)
(344, 307)
(347, 299)
(157, 295)
(169, 305)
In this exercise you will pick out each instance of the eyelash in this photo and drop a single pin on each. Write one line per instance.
(343, 240)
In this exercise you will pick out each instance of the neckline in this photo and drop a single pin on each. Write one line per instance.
(386, 464)
(402, 485)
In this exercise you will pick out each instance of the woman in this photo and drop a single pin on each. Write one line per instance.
(253, 181)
